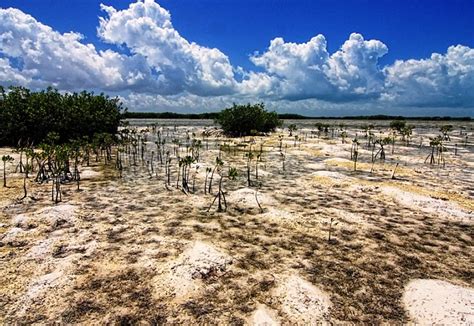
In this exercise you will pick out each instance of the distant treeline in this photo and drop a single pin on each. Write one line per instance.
(169, 115)
(27, 117)
(285, 116)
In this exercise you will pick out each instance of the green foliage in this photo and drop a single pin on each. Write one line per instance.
(243, 120)
(292, 127)
(28, 117)
(7, 158)
(398, 125)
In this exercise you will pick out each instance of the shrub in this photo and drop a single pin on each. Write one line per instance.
(28, 117)
(398, 125)
(243, 120)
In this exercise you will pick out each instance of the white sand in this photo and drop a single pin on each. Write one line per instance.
(302, 302)
(46, 287)
(199, 261)
(438, 302)
(315, 166)
(245, 199)
(263, 316)
(331, 175)
(279, 214)
(88, 174)
(436, 207)
(13, 235)
(341, 215)
(48, 216)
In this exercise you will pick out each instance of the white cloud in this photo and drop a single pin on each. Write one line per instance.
(48, 57)
(307, 70)
(146, 29)
(442, 80)
(167, 72)
(12, 76)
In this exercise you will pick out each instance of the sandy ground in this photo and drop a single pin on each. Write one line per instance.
(130, 250)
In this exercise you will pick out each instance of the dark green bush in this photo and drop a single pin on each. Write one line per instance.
(243, 120)
(27, 117)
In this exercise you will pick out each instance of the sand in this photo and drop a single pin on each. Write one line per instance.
(303, 302)
(264, 316)
(132, 250)
(433, 206)
(199, 261)
(436, 302)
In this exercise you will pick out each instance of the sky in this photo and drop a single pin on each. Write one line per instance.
(318, 58)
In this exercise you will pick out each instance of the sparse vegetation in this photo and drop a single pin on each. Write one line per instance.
(6, 159)
(170, 227)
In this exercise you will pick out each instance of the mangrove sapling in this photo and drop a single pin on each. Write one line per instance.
(186, 163)
(436, 145)
(42, 158)
(433, 145)
(249, 156)
(393, 172)
(394, 135)
(19, 149)
(256, 165)
(292, 128)
(406, 133)
(118, 162)
(217, 165)
(381, 152)
(180, 164)
(400, 127)
(195, 149)
(152, 168)
(283, 158)
(445, 129)
(196, 171)
(256, 197)
(208, 170)
(332, 222)
(29, 154)
(367, 129)
(75, 153)
(26, 168)
(58, 170)
(168, 168)
(355, 151)
(320, 127)
(280, 140)
(6, 159)
(220, 196)
(343, 136)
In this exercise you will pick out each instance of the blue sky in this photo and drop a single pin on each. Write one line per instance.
(333, 74)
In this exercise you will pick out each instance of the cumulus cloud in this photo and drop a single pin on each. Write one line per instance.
(12, 76)
(159, 69)
(46, 56)
(146, 29)
(442, 80)
(308, 70)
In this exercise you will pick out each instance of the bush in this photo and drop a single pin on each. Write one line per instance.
(398, 125)
(28, 117)
(243, 120)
